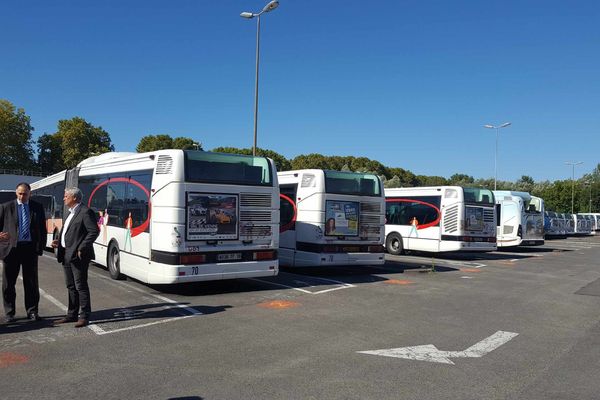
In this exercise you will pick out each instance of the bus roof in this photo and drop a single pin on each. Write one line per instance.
(523, 195)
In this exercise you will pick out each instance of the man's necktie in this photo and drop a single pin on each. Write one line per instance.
(24, 234)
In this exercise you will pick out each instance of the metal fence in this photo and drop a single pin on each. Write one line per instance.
(21, 172)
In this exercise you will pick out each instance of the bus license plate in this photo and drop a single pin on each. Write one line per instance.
(351, 249)
(229, 256)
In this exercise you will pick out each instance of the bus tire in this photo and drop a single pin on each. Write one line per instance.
(393, 244)
(114, 262)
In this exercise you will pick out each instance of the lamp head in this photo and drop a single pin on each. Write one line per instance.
(247, 15)
(504, 125)
(273, 4)
(489, 126)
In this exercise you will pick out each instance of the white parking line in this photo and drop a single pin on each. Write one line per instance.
(343, 285)
(159, 297)
(280, 284)
(162, 321)
(100, 331)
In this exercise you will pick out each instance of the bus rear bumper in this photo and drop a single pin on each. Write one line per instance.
(308, 259)
(169, 274)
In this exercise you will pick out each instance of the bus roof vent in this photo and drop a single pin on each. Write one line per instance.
(164, 164)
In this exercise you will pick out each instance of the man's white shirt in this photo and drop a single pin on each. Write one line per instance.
(67, 222)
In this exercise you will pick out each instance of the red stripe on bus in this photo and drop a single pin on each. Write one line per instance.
(430, 224)
(293, 221)
(134, 230)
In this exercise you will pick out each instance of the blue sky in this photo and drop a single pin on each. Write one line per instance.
(408, 83)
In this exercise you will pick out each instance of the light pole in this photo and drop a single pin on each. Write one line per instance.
(589, 183)
(273, 4)
(497, 128)
(573, 164)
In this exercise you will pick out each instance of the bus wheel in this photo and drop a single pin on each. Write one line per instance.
(114, 262)
(394, 245)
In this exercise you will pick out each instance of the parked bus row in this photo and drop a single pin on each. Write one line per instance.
(564, 224)
(175, 216)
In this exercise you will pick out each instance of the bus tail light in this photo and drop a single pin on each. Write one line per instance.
(376, 249)
(193, 259)
(330, 249)
(265, 255)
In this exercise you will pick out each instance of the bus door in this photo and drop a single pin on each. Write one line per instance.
(287, 223)
(509, 220)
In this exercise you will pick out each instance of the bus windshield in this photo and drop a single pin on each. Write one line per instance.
(478, 196)
(352, 183)
(534, 205)
(235, 169)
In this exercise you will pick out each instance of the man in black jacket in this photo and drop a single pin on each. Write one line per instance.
(75, 251)
(22, 238)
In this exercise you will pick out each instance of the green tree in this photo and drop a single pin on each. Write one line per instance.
(424, 180)
(185, 143)
(50, 158)
(16, 151)
(393, 182)
(407, 178)
(163, 142)
(79, 140)
(525, 184)
(309, 161)
(487, 183)
(154, 142)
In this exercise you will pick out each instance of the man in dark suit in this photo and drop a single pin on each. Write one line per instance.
(22, 238)
(75, 251)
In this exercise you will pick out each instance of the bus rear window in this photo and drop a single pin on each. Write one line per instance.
(352, 183)
(234, 169)
(478, 196)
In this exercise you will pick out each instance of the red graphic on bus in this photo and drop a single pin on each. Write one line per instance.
(136, 230)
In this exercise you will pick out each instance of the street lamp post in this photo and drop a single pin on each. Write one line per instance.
(573, 164)
(269, 7)
(497, 128)
(589, 183)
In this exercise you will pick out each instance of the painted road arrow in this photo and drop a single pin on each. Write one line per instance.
(431, 353)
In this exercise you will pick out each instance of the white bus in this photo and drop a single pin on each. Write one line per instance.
(553, 225)
(439, 219)
(331, 218)
(175, 216)
(595, 218)
(569, 223)
(520, 218)
(582, 224)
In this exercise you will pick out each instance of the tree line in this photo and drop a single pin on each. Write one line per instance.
(76, 139)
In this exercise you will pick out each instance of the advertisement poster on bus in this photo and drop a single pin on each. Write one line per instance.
(474, 218)
(212, 216)
(341, 218)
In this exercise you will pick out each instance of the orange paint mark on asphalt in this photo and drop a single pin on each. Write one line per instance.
(279, 304)
(470, 270)
(399, 282)
(8, 359)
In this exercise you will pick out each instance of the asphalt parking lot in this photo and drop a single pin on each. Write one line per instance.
(517, 324)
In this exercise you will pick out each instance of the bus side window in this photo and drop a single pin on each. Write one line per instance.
(286, 208)
(498, 208)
